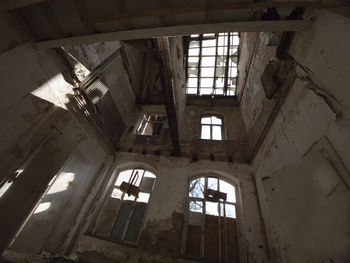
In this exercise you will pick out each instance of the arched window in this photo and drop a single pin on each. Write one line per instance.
(210, 229)
(124, 210)
(211, 128)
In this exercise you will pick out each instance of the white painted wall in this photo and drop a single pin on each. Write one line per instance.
(302, 167)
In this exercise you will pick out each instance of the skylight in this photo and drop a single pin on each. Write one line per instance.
(212, 64)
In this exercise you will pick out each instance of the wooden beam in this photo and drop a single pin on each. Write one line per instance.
(204, 8)
(249, 26)
(161, 17)
(117, 12)
(8, 5)
(82, 16)
(166, 75)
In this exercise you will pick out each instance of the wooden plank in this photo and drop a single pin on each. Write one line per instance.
(248, 26)
(203, 8)
(161, 17)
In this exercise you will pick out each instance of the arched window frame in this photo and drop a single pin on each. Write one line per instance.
(107, 193)
(239, 226)
(211, 126)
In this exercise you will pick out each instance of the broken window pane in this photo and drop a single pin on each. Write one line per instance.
(214, 54)
(196, 206)
(197, 188)
(194, 44)
(192, 72)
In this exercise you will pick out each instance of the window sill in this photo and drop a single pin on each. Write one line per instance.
(127, 244)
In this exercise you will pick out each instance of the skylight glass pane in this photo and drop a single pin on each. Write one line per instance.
(220, 72)
(193, 52)
(208, 61)
(216, 120)
(206, 82)
(219, 91)
(191, 91)
(209, 43)
(208, 51)
(216, 133)
(194, 44)
(222, 51)
(219, 83)
(192, 82)
(207, 72)
(205, 91)
(234, 40)
(206, 120)
(222, 41)
(209, 35)
(192, 72)
(205, 132)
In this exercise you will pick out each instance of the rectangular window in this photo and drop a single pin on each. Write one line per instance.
(211, 128)
(212, 64)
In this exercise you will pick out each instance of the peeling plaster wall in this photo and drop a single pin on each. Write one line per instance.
(234, 136)
(162, 229)
(34, 106)
(302, 168)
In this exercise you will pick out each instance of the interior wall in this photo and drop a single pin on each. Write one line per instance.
(38, 135)
(162, 228)
(302, 167)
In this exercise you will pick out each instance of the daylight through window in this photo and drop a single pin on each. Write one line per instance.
(124, 211)
(211, 223)
(211, 128)
(212, 64)
(151, 124)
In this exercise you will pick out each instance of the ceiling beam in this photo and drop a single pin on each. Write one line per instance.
(9, 5)
(203, 8)
(248, 26)
(166, 75)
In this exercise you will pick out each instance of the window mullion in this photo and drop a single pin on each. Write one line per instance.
(227, 64)
(216, 57)
(199, 64)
